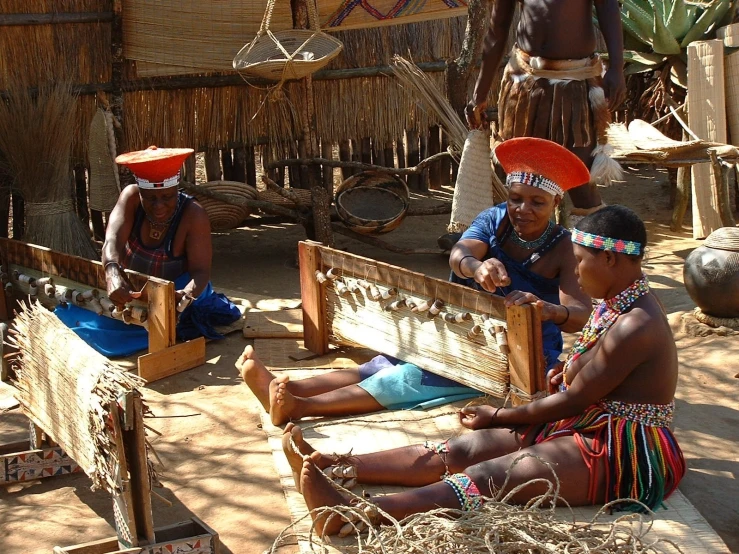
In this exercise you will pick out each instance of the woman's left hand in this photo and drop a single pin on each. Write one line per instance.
(477, 417)
(518, 298)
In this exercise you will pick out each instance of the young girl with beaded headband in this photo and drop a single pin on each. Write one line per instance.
(606, 431)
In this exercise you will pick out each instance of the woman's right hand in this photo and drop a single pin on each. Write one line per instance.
(555, 376)
(475, 115)
(492, 274)
(118, 286)
(477, 417)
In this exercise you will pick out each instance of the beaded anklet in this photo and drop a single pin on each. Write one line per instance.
(442, 449)
(466, 491)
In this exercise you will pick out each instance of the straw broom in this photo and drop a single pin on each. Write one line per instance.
(36, 133)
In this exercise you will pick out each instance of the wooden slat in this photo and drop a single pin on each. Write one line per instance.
(417, 283)
(162, 322)
(50, 262)
(138, 468)
(172, 360)
(526, 357)
(123, 512)
(315, 329)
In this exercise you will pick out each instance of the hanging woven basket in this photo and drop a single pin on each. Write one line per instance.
(372, 203)
(289, 54)
(223, 215)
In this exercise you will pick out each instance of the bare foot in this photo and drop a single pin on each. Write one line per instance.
(282, 404)
(256, 375)
(318, 493)
(294, 435)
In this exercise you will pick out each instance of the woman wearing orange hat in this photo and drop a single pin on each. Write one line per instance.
(512, 249)
(606, 434)
(158, 230)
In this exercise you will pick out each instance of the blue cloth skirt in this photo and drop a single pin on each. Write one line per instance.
(398, 385)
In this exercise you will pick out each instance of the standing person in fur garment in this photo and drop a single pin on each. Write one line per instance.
(553, 86)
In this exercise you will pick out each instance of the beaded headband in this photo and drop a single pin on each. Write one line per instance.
(606, 243)
(166, 183)
(534, 180)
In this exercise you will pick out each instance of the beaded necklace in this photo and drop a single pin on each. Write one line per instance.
(603, 317)
(532, 244)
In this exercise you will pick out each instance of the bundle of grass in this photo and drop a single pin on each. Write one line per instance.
(36, 133)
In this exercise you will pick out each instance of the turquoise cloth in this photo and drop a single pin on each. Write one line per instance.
(113, 338)
(407, 386)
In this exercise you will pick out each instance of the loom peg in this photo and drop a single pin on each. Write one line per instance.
(49, 290)
(355, 288)
(43, 281)
(90, 294)
(321, 277)
(423, 306)
(389, 293)
(184, 302)
(410, 303)
(139, 314)
(333, 273)
(395, 305)
(435, 309)
(374, 293)
(458, 317)
(4, 278)
(26, 279)
(33, 291)
(364, 284)
(60, 294)
(341, 288)
(474, 331)
(502, 339)
(94, 303)
(107, 304)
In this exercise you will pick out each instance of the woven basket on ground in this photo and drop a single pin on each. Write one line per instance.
(224, 216)
(724, 238)
(372, 203)
(290, 54)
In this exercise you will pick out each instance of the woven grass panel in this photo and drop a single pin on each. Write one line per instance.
(349, 14)
(66, 388)
(433, 344)
(193, 34)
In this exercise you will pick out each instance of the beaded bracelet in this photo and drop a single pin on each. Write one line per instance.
(109, 263)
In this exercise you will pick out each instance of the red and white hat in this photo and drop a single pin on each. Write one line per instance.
(541, 163)
(155, 168)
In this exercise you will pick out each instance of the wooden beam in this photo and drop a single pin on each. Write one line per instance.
(172, 360)
(11, 19)
(138, 468)
(315, 328)
(526, 357)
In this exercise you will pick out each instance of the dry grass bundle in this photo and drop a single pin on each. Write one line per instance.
(36, 133)
(67, 389)
(432, 100)
(498, 527)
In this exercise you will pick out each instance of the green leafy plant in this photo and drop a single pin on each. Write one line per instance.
(658, 32)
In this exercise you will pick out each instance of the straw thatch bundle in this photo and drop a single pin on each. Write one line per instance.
(36, 133)
(68, 390)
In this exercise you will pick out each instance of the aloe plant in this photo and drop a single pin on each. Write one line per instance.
(657, 32)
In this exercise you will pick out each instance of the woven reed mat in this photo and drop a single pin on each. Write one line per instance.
(680, 522)
(259, 302)
(291, 354)
(280, 324)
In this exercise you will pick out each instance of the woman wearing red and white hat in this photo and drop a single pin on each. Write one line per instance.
(158, 230)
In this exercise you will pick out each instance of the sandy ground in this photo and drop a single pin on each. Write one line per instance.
(216, 461)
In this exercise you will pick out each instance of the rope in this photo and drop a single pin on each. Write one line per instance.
(730, 322)
(34, 209)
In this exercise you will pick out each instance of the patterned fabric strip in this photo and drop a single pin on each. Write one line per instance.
(606, 243)
(534, 180)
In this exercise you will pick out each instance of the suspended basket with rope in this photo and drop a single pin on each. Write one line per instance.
(224, 216)
(289, 54)
(372, 202)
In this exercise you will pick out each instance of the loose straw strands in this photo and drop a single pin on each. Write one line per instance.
(498, 527)
(67, 389)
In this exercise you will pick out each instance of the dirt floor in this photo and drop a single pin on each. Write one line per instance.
(216, 464)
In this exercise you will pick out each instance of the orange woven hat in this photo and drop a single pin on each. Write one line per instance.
(155, 168)
(541, 163)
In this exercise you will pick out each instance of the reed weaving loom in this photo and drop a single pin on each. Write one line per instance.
(94, 411)
(53, 277)
(445, 328)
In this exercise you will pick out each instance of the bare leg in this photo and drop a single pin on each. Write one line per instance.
(256, 375)
(564, 453)
(414, 465)
(350, 400)
(313, 386)
(319, 493)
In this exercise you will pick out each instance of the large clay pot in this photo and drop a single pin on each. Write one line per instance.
(711, 274)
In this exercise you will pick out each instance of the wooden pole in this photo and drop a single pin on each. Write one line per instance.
(11, 19)
(412, 157)
(720, 186)
(345, 155)
(315, 329)
(445, 166)
(117, 73)
(213, 165)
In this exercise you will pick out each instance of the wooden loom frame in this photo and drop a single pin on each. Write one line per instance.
(526, 365)
(165, 357)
